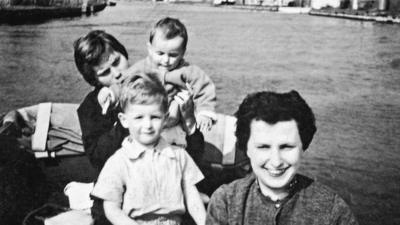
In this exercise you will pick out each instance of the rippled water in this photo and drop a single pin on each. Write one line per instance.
(348, 71)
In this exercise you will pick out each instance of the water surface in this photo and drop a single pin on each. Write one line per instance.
(348, 71)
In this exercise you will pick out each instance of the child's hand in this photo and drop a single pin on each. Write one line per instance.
(186, 107)
(105, 98)
(173, 114)
(204, 123)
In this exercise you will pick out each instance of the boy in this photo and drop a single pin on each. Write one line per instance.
(166, 49)
(148, 181)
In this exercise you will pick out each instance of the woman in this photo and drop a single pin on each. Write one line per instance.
(275, 130)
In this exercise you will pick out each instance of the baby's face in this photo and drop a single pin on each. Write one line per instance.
(166, 53)
(109, 72)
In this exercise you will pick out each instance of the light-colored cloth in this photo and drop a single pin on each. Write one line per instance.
(63, 135)
(147, 181)
(79, 195)
(73, 217)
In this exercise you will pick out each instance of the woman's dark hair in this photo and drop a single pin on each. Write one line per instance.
(272, 108)
(92, 50)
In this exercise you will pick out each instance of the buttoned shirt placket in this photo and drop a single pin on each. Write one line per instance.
(156, 154)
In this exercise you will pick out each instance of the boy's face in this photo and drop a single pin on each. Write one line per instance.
(145, 122)
(109, 72)
(165, 53)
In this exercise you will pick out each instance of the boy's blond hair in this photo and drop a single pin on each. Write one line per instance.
(143, 89)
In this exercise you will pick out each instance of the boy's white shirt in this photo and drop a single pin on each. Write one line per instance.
(102, 191)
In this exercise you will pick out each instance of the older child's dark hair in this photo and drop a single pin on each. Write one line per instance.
(144, 89)
(271, 108)
(93, 49)
(171, 28)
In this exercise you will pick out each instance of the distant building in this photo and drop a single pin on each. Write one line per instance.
(394, 7)
(354, 4)
(365, 4)
(318, 4)
(277, 2)
(390, 6)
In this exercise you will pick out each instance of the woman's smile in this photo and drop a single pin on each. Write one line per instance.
(276, 172)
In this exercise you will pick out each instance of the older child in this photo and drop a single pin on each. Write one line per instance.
(166, 49)
(148, 181)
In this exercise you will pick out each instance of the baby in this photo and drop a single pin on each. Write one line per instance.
(166, 50)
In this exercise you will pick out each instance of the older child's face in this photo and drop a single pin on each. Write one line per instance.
(165, 53)
(109, 72)
(275, 152)
(145, 122)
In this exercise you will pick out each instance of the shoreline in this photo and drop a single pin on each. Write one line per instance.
(362, 15)
(380, 17)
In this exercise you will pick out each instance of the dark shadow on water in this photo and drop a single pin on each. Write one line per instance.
(37, 20)
(395, 63)
(32, 15)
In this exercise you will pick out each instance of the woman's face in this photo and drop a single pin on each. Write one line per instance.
(275, 152)
(110, 71)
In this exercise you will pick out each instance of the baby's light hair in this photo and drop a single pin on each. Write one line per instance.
(143, 89)
(171, 28)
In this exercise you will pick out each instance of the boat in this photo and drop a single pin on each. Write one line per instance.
(112, 3)
(33, 11)
(49, 134)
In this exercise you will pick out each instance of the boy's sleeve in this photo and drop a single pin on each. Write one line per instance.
(102, 135)
(110, 184)
(191, 174)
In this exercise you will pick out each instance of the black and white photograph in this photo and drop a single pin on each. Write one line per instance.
(199, 112)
